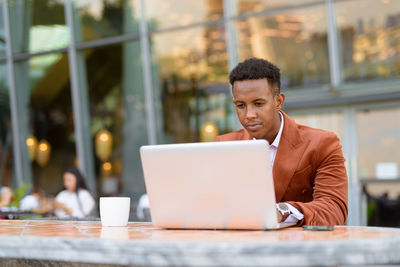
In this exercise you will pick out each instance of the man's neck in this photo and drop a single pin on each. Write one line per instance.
(277, 127)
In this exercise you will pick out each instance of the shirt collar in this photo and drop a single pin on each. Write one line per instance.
(278, 136)
(275, 143)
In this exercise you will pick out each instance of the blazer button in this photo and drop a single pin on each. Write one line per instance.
(304, 191)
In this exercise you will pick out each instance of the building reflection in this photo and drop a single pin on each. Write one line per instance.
(300, 50)
(193, 80)
(370, 43)
(376, 52)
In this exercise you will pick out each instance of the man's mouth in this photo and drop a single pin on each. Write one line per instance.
(253, 126)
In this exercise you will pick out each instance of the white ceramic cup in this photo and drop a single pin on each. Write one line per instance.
(114, 211)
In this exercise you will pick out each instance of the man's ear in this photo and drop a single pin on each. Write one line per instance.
(279, 101)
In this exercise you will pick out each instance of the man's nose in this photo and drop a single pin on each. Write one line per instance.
(251, 113)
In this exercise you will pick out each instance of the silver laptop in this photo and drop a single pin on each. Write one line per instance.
(216, 185)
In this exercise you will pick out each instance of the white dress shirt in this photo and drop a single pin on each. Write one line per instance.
(295, 215)
(273, 148)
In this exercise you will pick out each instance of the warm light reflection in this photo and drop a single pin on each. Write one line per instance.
(43, 153)
(209, 129)
(103, 137)
(43, 147)
(208, 132)
(31, 143)
(358, 57)
(106, 169)
(103, 144)
(107, 166)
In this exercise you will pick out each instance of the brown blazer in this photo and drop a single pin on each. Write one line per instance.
(308, 171)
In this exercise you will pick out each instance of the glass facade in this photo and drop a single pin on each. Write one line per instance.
(2, 35)
(116, 98)
(246, 6)
(328, 121)
(37, 26)
(378, 142)
(46, 82)
(6, 147)
(178, 13)
(192, 67)
(369, 39)
(294, 39)
(97, 79)
(96, 19)
(379, 150)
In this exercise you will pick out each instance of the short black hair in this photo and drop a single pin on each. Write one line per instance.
(257, 68)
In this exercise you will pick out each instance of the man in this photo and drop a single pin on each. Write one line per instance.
(307, 164)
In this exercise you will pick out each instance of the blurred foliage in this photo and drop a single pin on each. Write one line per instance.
(18, 194)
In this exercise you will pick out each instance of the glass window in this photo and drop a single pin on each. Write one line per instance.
(96, 19)
(162, 14)
(2, 33)
(332, 122)
(379, 148)
(194, 93)
(6, 147)
(370, 38)
(118, 116)
(295, 40)
(37, 25)
(45, 84)
(244, 6)
(379, 162)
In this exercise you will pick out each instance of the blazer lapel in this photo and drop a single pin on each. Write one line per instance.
(290, 150)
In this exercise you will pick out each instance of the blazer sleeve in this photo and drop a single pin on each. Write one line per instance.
(329, 204)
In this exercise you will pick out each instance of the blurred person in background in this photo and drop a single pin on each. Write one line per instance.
(74, 200)
(37, 202)
(5, 196)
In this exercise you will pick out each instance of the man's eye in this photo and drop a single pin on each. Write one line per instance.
(240, 105)
(258, 104)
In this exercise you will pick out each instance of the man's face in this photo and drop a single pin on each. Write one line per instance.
(257, 108)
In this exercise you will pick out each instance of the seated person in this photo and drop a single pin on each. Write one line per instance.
(5, 196)
(307, 164)
(75, 200)
(37, 202)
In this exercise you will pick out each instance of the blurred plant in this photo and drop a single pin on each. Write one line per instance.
(18, 194)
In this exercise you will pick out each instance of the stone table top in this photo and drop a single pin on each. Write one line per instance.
(144, 245)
